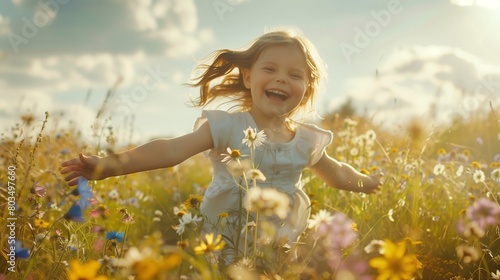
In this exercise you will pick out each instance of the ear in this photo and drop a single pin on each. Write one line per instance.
(245, 73)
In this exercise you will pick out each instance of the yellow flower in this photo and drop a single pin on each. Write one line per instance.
(223, 214)
(354, 226)
(210, 245)
(441, 152)
(151, 268)
(41, 223)
(394, 263)
(193, 201)
(85, 271)
(476, 165)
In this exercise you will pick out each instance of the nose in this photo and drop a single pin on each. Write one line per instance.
(281, 78)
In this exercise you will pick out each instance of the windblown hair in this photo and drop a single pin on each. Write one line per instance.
(225, 67)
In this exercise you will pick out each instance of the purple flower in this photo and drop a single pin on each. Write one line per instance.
(484, 213)
(341, 232)
(38, 190)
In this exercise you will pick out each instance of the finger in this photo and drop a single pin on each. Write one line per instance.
(72, 161)
(73, 182)
(73, 175)
(68, 169)
(83, 158)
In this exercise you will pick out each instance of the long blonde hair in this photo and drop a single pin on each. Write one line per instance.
(223, 63)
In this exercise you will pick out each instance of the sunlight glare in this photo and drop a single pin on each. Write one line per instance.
(489, 4)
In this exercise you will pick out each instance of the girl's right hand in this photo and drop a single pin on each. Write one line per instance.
(90, 167)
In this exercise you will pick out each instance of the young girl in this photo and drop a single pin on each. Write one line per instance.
(271, 81)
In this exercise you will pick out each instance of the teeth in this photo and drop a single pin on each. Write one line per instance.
(277, 92)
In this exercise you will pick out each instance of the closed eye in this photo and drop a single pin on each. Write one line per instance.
(268, 69)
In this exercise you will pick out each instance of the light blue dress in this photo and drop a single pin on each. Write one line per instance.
(281, 163)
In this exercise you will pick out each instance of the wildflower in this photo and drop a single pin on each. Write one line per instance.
(238, 168)
(114, 235)
(179, 212)
(269, 201)
(232, 155)
(475, 165)
(460, 171)
(193, 201)
(495, 175)
(375, 245)
(113, 195)
(394, 263)
(147, 265)
(158, 213)
(470, 229)
(84, 191)
(210, 245)
(253, 138)
(495, 276)
(86, 271)
(483, 212)
(389, 215)
(467, 254)
(370, 135)
(441, 152)
(41, 223)
(438, 169)
(20, 252)
(74, 214)
(478, 176)
(186, 220)
(255, 174)
(38, 190)
(101, 211)
(354, 152)
(126, 215)
(340, 231)
(320, 220)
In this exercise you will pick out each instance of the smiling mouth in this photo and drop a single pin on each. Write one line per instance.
(276, 94)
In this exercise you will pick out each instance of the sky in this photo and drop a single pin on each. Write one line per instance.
(395, 59)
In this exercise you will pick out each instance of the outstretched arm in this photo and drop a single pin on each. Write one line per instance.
(156, 154)
(343, 176)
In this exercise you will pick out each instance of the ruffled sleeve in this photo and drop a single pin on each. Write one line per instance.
(317, 140)
(219, 127)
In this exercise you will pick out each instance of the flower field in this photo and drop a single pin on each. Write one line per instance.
(436, 216)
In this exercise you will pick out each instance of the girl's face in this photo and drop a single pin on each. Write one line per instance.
(277, 80)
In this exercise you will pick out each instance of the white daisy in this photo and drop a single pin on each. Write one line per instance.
(253, 138)
(322, 217)
(268, 201)
(478, 176)
(438, 169)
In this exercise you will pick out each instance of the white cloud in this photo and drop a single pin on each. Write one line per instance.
(162, 27)
(434, 82)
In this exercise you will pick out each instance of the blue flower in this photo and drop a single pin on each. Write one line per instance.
(21, 253)
(82, 190)
(74, 214)
(110, 235)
